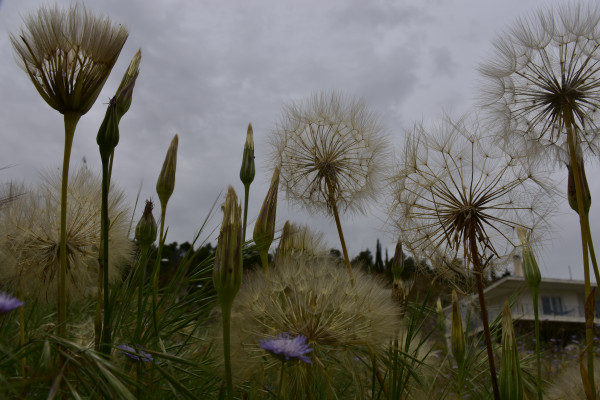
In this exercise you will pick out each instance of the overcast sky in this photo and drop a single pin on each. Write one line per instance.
(210, 67)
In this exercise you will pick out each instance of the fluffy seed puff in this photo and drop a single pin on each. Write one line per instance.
(545, 77)
(330, 149)
(312, 297)
(31, 237)
(454, 189)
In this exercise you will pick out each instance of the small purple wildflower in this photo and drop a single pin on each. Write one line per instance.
(135, 353)
(286, 348)
(8, 303)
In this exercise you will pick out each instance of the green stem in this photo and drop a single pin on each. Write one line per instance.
(100, 300)
(333, 205)
(70, 120)
(106, 339)
(156, 273)
(22, 333)
(538, 351)
(591, 248)
(110, 165)
(394, 382)
(589, 332)
(264, 259)
(246, 196)
(226, 311)
(459, 377)
(281, 375)
(140, 314)
(484, 314)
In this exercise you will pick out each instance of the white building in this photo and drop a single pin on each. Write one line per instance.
(561, 303)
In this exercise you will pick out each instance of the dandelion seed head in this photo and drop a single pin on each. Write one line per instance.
(544, 73)
(312, 297)
(464, 191)
(29, 247)
(330, 148)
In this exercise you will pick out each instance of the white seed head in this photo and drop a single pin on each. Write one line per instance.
(31, 237)
(454, 183)
(330, 148)
(545, 72)
(311, 296)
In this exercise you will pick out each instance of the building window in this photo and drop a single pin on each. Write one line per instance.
(552, 305)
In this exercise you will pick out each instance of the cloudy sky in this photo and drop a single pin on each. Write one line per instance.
(210, 67)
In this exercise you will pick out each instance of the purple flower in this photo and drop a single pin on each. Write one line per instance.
(286, 348)
(8, 303)
(135, 353)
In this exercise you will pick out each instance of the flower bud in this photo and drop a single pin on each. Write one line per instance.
(264, 229)
(108, 134)
(146, 229)
(166, 179)
(247, 171)
(398, 262)
(571, 192)
(457, 334)
(441, 320)
(511, 380)
(125, 90)
(531, 270)
(227, 270)
(286, 241)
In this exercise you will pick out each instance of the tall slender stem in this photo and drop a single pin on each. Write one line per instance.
(161, 243)
(591, 249)
(144, 251)
(246, 196)
(99, 303)
(281, 375)
(589, 325)
(264, 259)
(70, 120)
(484, 314)
(226, 314)
(538, 351)
(106, 339)
(22, 332)
(333, 205)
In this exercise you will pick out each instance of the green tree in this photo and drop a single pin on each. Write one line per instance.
(364, 259)
(379, 267)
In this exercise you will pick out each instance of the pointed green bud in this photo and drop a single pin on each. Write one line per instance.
(571, 192)
(441, 320)
(457, 334)
(125, 90)
(227, 270)
(247, 171)
(531, 271)
(146, 229)
(264, 229)
(398, 262)
(286, 241)
(166, 179)
(511, 379)
(108, 134)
